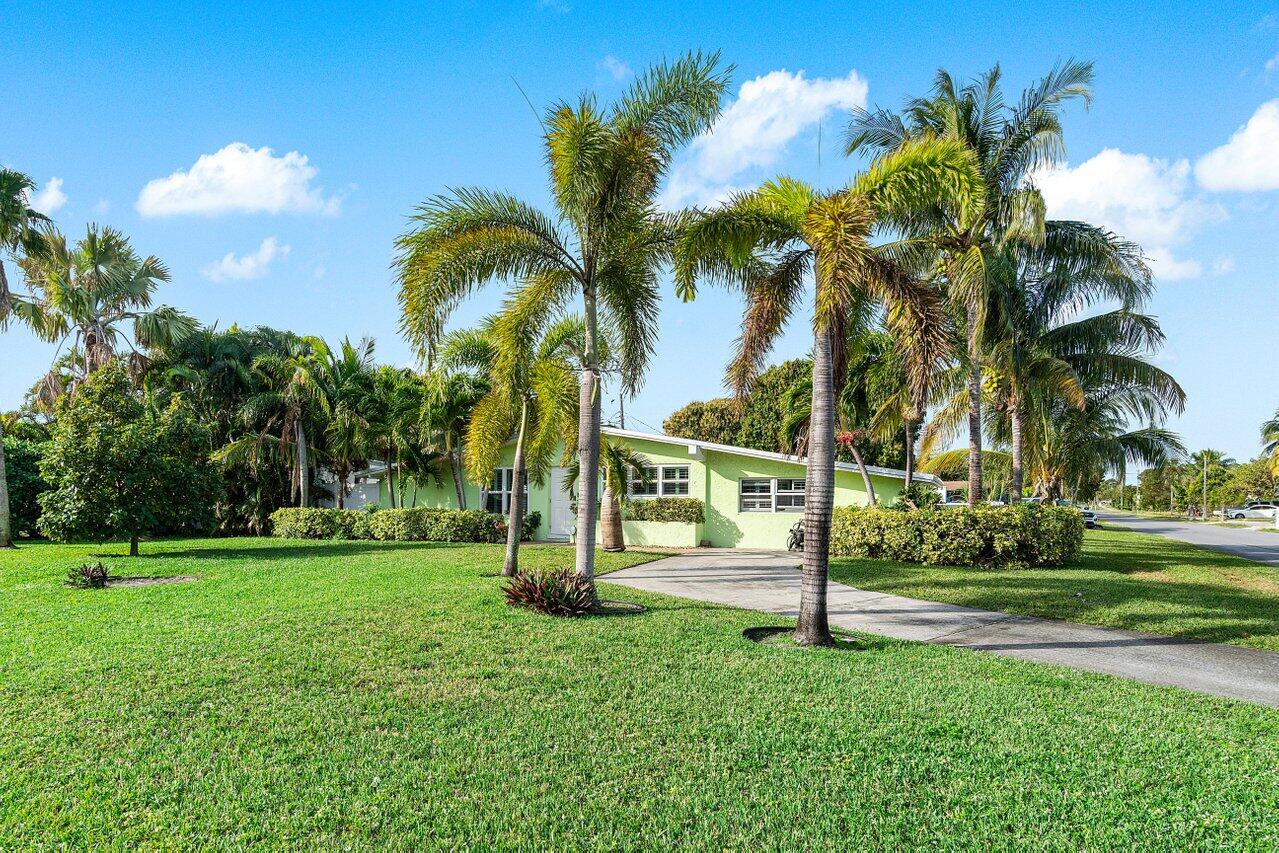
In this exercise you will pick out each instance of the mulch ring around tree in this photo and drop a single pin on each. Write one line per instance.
(783, 636)
(605, 607)
(147, 581)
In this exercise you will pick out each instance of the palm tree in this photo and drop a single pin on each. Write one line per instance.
(532, 395)
(82, 295)
(450, 399)
(347, 376)
(605, 243)
(766, 241)
(18, 234)
(619, 467)
(1270, 442)
(1009, 144)
(290, 409)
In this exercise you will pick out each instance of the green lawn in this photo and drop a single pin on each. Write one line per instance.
(1122, 580)
(372, 695)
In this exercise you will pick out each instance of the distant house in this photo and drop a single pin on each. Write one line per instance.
(751, 497)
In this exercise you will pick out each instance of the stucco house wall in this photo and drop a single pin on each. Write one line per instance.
(715, 473)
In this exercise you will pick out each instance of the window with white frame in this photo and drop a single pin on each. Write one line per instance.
(497, 497)
(771, 494)
(663, 481)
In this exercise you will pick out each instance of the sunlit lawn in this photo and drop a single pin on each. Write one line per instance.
(1123, 580)
(370, 695)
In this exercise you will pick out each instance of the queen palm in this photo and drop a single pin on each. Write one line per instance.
(1009, 144)
(83, 296)
(532, 395)
(449, 399)
(18, 235)
(768, 240)
(604, 244)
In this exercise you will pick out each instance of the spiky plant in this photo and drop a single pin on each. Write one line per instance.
(767, 241)
(604, 244)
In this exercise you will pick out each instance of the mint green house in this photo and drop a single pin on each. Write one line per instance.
(751, 497)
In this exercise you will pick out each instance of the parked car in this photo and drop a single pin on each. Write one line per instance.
(1090, 518)
(1252, 509)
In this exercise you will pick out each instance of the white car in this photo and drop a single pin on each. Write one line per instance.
(1252, 509)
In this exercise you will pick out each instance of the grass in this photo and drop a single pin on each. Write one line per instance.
(1122, 580)
(380, 695)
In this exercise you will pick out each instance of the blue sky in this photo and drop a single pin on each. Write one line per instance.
(367, 111)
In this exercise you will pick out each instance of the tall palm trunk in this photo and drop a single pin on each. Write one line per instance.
(974, 410)
(588, 447)
(390, 477)
(6, 532)
(611, 520)
(1015, 487)
(861, 466)
(455, 469)
(304, 473)
(515, 522)
(910, 453)
(819, 495)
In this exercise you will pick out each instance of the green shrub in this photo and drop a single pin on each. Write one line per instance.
(1026, 534)
(920, 495)
(22, 468)
(418, 524)
(686, 510)
(532, 521)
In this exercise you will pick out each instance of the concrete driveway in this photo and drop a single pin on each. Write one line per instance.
(769, 581)
(1249, 544)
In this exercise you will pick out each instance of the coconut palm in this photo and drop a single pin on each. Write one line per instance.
(1009, 143)
(604, 244)
(18, 235)
(768, 240)
(532, 395)
(84, 294)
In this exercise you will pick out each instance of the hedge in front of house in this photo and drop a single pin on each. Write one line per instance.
(686, 510)
(417, 524)
(1023, 535)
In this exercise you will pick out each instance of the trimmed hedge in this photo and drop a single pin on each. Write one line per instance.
(1023, 535)
(686, 510)
(418, 524)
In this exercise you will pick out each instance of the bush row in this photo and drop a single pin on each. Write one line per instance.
(1024, 535)
(687, 510)
(418, 524)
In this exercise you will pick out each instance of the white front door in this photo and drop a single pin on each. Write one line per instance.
(560, 524)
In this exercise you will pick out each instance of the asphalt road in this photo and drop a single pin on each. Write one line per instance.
(1250, 544)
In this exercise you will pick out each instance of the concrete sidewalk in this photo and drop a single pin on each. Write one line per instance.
(769, 581)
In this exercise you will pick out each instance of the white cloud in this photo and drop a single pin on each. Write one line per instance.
(1138, 197)
(103, 206)
(615, 68)
(254, 265)
(1224, 265)
(49, 199)
(1250, 160)
(238, 179)
(757, 129)
(1271, 65)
